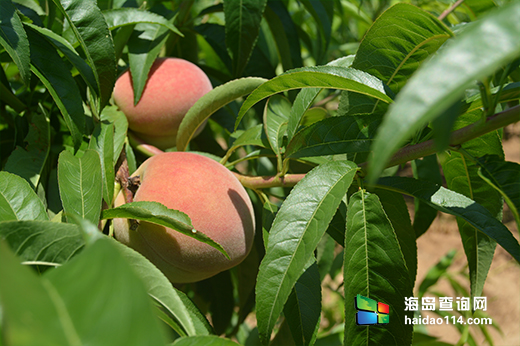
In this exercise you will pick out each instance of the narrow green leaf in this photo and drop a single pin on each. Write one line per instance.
(303, 308)
(93, 295)
(504, 176)
(81, 184)
(306, 97)
(14, 39)
(453, 203)
(144, 46)
(29, 162)
(185, 314)
(254, 135)
(461, 175)
(113, 115)
(18, 201)
(130, 16)
(157, 213)
(398, 42)
(276, 113)
(285, 33)
(397, 212)
(42, 241)
(426, 168)
(373, 268)
(206, 340)
(331, 136)
(317, 77)
(91, 31)
(242, 27)
(212, 102)
(34, 317)
(47, 65)
(70, 53)
(488, 44)
(322, 13)
(102, 141)
(297, 229)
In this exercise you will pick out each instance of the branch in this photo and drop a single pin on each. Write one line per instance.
(404, 155)
(450, 9)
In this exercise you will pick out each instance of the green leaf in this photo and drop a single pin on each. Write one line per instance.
(34, 317)
(212, 102)
(297, 229)
(398, 42)
(42, 242)
(18, 201)
(47, 65)
(206, 340)
(504, 177)
(91, 31)
(81, 184)
(102, 141)
(157, 213)
(322, 13)
(276, 113)
(242, 27)
(454, 203)
(317, 77)
(397, 212)
(285, 34)
(303, 308)
(461, 174)
(70, 53)
(473, 55)
(78, 303)
(130, 16)
(373, 268)
(186, 316)
(113, 115)
(426, 168)
(29, 162)
(144, 46)
(305, 99)
(254, 135)
(331, 136)
(14, 39)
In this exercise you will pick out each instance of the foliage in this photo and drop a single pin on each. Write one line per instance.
(315, 106)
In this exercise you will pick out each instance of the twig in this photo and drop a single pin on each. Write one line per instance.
(449, 10)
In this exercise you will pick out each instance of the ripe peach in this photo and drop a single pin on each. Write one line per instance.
(173, 86)
(211, 196)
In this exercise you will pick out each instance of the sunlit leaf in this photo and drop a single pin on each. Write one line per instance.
(18, 201)
(14, 39)
(485, 46)
(157, 213)
(373, 268)
(210, 103)
(81, 184)
(242, 26)
(297, 229)
(130, 16)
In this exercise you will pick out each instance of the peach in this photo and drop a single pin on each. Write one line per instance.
(173, 86)
(211, 196)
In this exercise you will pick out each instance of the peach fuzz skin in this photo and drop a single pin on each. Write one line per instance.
(173, 86)
(211, 196)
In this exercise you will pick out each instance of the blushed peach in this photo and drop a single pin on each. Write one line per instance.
(173, 86)
(211, 196)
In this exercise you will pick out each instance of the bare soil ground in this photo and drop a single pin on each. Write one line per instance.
(502, 287)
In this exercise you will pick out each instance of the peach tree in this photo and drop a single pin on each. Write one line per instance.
(314, 108)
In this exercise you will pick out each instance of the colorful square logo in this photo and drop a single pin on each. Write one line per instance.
(371, 311)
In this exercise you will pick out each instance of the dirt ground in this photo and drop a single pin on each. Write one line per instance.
(502, 287)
